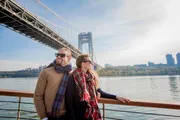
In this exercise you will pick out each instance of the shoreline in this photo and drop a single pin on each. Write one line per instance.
(99, 76)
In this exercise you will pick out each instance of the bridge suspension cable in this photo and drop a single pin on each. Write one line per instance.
(61, 18)
(68, 32)
(95, 57)
(54, 13)
(54, 24)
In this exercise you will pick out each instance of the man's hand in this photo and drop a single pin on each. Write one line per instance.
(124, 100)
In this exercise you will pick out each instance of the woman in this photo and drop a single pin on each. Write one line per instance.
(82, 92)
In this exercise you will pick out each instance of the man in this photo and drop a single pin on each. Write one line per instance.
(51, 86)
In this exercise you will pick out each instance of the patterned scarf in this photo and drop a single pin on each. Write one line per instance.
(62, 88)
(86, 90)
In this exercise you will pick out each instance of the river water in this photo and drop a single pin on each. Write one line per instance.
(164, 89)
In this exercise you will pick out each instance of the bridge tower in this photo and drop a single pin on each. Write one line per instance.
(86, 38)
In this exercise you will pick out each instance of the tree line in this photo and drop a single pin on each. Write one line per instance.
(106, 71)
(138, 71)
(20, 73)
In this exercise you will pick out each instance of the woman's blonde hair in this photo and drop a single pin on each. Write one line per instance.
(96, 80)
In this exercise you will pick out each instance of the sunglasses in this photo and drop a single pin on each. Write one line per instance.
(88, 61)
(59, 54)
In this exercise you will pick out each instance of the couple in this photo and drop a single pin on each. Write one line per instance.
(63, 94)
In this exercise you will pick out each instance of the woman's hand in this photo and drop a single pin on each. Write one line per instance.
(98, 95)
(124, 100)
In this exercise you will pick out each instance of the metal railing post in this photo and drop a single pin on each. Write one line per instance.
(19, 108)
(104, 111)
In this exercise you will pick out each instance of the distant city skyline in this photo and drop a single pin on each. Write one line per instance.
(170, 61)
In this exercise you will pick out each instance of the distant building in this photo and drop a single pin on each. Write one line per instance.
(160, 65)
(150, 64)
(108, 65)
(140, 65)
(42, 67)
(178, 59)
(170, 60)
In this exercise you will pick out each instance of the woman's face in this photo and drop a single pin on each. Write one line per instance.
(87, 63)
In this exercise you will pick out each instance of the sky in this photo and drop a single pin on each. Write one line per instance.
(124, 32)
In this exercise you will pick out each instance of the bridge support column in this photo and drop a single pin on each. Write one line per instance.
(86, 38)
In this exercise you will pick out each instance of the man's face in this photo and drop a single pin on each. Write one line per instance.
(62, 57)
(87, 63)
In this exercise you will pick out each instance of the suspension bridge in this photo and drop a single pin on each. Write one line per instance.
(20, 20)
